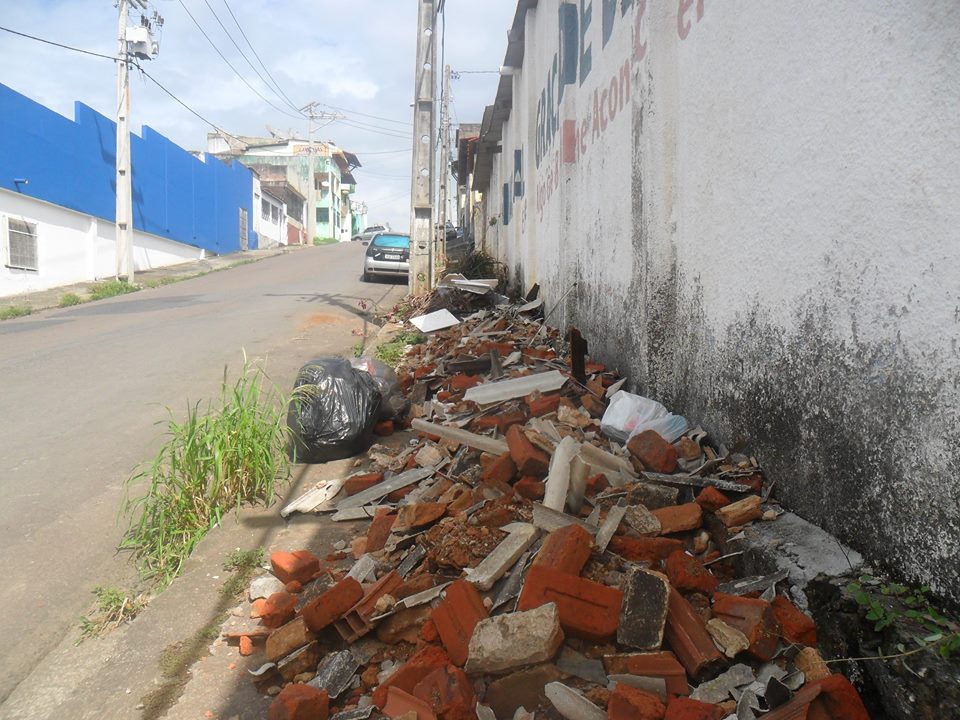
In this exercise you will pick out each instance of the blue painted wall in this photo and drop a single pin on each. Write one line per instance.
(72, 163)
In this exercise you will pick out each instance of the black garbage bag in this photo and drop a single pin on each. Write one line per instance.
(332, 411)
(394, 404)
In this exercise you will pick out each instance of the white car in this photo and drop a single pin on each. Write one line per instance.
(368, 233)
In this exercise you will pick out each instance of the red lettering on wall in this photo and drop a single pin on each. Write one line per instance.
(569, 141)
(613, 99)
(639, 48)
(683, 26)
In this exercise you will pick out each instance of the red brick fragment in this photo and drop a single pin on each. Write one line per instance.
(293, 587)
(528, 459)
(644, 549)
(500, 470)
(681, 708)
(687, 635)
(711, 499)
(416, 584)
(542, 405)
(653, 451)
(384, 428)
(461, 382)
(754, 618)
(429, 632)
(677, 518)
(379, 530)
(300, 702)
(299, 565)
(398, 495)
(324, 609)
(457, 616)
(587, 609)
(597, 483)
(278, 609)
(565, 550)
(840, 699)
(688, 573)
(795, 626)
(407, 676)
(359, 483)
(530, 488)
(630, 703)
(661, 665)
(402, 704)
(446, 689)
(246, 645)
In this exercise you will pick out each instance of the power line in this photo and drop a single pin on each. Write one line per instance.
(283, 98)
(375, 117)
(59, 45)
(382, 152)
(372, 128)
(230, 65)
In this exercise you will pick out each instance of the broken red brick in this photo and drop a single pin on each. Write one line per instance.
(379, 530)
(457, 616)
(246, 645)
(418, 515)
(500, 470)
(840, 699)
(543, 405)
(528, 459)
(445, 689)
(644, 549)
(407, 676)
(592, 405)
(678, 518)
(485, 422)
(293, 587)
(356, 621)
(688, 573)
(461, 382)
(299, 565)
(429, 632)
(403, 625)
(587, 609)
(688, 449)
(424, 370)
(384, 428)
(323, 610)
(529, 487)
(565, 550)
(661, 665)
(754, 618)
(711, 499)
(653, 451)
(688, 637)
(416, 584)
(398, 495)
(597, 483)
(681, 708)
(300, 702)
(795, 626)
(402, 704)
(278, 609)
(630, 703)
(359, 483)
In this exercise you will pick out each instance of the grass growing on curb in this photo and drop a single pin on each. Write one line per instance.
(69, 300)
(325, 241)
(111, 288)
(217, 459)
(242, 563)
(392, 352)
(114, 608)
(14, 311)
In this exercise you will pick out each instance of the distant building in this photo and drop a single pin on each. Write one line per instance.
(468, 200)
(282, 160)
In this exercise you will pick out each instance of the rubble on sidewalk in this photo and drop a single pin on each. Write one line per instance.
(522, 554)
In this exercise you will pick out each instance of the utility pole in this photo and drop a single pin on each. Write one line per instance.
(444, 162)
(312, 187)
(124, 210)
(137, 41)
(422, 237)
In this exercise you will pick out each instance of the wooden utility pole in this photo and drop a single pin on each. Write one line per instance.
(422, 240)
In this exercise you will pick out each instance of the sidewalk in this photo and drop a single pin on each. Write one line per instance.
(47, 299)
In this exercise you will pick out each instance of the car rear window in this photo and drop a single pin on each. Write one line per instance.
(392, 241)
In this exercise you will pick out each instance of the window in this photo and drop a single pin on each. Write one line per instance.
(21, 245)
(265, 209)
(323, 215)
(275, 213)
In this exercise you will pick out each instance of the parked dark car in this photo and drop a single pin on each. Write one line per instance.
(367, 234)
(388, 254)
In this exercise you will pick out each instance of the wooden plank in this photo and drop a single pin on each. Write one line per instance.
(464, 437)
(698, 482)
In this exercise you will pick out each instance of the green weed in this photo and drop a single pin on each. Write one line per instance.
(111, 288)
(70, 299)
(217, 459)
(14, 311)
(325, 241)
(242, 563)
(358, 349)
(392, 352)
(114, 607)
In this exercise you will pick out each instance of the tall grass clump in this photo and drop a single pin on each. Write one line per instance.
(219, 458)
(111, 288)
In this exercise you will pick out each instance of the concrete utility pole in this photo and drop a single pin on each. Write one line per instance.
(124, 210)
(444, 163)
(422, 239)
(311, 109)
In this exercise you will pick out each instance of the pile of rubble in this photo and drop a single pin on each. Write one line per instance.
(515, 562)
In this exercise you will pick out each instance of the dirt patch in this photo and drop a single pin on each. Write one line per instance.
(315, 319)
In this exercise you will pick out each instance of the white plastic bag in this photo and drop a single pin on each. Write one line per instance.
(626, 411)
(669, 427)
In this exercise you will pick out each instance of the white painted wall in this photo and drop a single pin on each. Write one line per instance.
(73, 247)
(765, 237)
(272, 221)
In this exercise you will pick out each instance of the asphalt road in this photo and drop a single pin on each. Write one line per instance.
(83, 390)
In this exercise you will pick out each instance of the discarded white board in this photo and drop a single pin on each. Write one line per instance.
(494, 565)
(558, 477)
(494, 392)
(579, 471)
(464, 437)
(357, 513)
(571, 704)
(532, 305)
(385, 487)
(596, 456)
(312, 499)
(363, 568)
(478, 286)
(608, 527)
(550, 520)
(613, 389)
(434, 321)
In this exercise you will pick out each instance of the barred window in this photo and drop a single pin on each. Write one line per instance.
(21, 245)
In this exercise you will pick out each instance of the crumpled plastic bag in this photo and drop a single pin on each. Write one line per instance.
(394, 404)
(628, 415)
(332, 411)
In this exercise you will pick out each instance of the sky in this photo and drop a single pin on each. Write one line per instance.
(355, 57)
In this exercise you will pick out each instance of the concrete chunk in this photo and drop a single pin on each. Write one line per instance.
(644, 610)
(505, 642)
